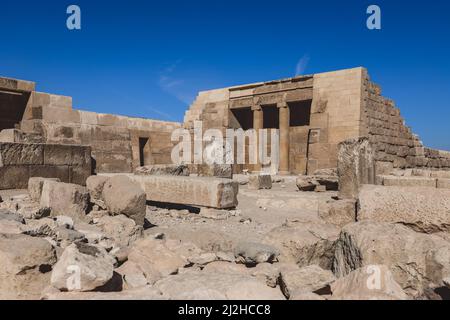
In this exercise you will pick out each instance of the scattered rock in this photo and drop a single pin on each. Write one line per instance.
(82, 267)
(25, 265)
(305, 243)
(253, 253)
(163, 169)
(121, 229)
(340, 213)
(124, 196)
(373, 282)
(259, 181)
(307, 279)
(95, 185)
(65, 199)
(306, 184)
(410, 256)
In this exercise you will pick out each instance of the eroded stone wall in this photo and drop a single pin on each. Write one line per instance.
(21, 161)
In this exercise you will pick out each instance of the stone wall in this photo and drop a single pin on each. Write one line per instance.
(114, 139)
(395, 144)
(21, 161)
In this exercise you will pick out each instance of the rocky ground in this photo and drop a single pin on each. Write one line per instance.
(62, 241)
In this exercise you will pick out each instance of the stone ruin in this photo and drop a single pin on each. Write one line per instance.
(91, 206)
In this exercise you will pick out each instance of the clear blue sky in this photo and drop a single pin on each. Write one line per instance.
(150, 58)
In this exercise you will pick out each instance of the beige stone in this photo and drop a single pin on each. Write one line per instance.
(259, 181)
(197, 191)
(35, 185)
(420, 208)
(443, 183)
(409, 181)
(339, 212)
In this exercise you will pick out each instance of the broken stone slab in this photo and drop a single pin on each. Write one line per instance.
(259, 181)
(26, 262)
(215, 170)
(195, 191)
(420, 208)
(82, 267)
(392, 181)
(416, 260)
(329, 182)
(124, 231)
(308, 279)
(124, 196)
(35, 185)
(65, 199)
(306, 183)
(373, 282)
(197, 285)
(356, 166)
(163, 169)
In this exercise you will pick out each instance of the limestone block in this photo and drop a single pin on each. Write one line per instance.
(421, 208)
(409, 181)
(51, 171)
(14, 177)
(197, 191)
(35, 185)
(355, 166)
(57, 154)
(65, 199)
(443, 183)
(259, 181)
(20, 154)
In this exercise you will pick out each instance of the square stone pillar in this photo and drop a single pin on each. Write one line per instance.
(258, 123)
(284, 137)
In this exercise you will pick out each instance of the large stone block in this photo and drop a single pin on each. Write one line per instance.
(51, 171)
(423, 209)
(259, 181)
(14, 177)
(21, 154)
(356, 166)
(409, 181)
(35, 185)
(196, 191)
(65, 199)
(56, 154)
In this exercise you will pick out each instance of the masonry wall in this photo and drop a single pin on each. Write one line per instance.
(21, 161)
(114, 139)
(396, 146)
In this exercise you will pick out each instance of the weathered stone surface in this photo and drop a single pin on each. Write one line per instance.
(306, 184)
(305, 243)
(215, 170)
(340, 212)
(143, 293)
(373, 282)
(155, 259)
(65, 199)
(10, 215)
(443, 183)
(24, 271)
(307, 279)
(93, 265)
(124, 196)
(11, 227)
(163, 169)
(21, 154)
(198, 191)
(35, 185)
(253, 253)
(95, 185)
(422, 209)
(259, 181)
(410, 256)
(355, 166)
(212, 286)
(305, 296)
(409, 181)
(121, 229)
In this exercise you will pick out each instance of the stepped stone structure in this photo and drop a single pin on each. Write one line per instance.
(313, 114)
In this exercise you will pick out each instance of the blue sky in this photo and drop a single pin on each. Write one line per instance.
(150, 58)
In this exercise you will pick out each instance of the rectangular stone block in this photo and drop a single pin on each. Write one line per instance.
(409, 181)
(21, 154)
(57, 154)
(14, 177)
(259, 181)
(443, 183)
(194, 191)
(79, 174)
(50, 171)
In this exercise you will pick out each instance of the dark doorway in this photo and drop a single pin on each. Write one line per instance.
(144, 152)
(271, 117)
(300, 113)
(12, 108)
(243, 117)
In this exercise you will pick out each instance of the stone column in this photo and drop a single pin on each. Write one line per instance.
(258, 118)
(284, 138)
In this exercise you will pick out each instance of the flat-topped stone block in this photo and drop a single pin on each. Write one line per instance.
(195, 191)
(409, 181)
